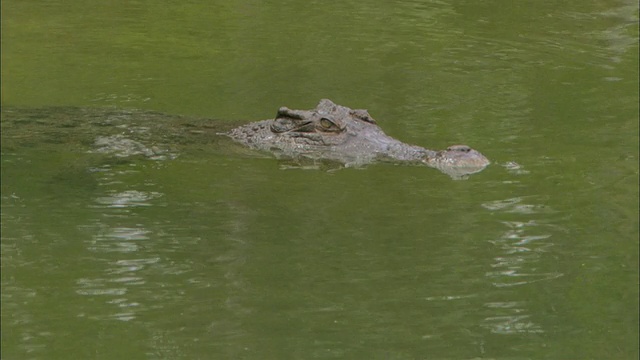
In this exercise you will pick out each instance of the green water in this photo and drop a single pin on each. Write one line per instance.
(224, 255)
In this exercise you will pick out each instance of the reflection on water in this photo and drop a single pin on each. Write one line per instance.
(513, 321)
(33, 336)
(141, 267)
(111, 234)
(520, 249)
(118, 239)
(129, 198)
(120, 275)
(514, 205)
(207, 258)
(513, 168)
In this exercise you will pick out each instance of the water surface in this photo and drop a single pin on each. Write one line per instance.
(206, 252)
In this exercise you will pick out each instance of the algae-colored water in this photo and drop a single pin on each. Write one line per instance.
(198, 251)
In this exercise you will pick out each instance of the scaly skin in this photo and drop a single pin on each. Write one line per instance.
(350, 137)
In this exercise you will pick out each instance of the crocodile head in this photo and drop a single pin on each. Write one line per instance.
(351, 137)
(327, 124)
(330, 131)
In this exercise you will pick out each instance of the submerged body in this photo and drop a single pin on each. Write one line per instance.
(350, 137)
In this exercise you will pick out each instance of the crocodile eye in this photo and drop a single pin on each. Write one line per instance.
(326, 123)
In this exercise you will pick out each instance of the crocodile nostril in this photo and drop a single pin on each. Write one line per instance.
(459, 148)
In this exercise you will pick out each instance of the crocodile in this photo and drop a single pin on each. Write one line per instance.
(350, 137)
(330, 135)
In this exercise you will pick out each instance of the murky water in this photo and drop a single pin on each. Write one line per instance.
(191, 249)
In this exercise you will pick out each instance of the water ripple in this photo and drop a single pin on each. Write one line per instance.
(129, 198)
(515, 205)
